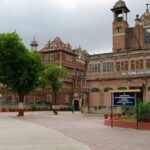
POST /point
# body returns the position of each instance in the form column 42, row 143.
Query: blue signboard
column 124, row 99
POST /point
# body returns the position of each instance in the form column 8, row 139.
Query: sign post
column 124, row 98
column 0, row 103
column 111, row 116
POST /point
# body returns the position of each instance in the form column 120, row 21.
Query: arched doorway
column 76, row 104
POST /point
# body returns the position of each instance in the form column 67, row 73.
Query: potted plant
column 106, row 116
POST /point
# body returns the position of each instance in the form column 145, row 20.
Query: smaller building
column 74, row 60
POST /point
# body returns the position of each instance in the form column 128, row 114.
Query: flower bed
column 123, row 124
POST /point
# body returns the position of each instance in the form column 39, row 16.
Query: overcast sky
column 87, row 23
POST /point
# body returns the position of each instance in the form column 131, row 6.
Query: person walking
column 73, row 108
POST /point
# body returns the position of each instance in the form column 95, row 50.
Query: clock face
column 147, row 36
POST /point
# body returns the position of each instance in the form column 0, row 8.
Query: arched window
column 122, row 88
column 95, row 90
column 148, row 88
column 107, row 89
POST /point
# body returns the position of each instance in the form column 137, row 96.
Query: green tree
column 55, row 74
column 19, row 68
column 43, row 83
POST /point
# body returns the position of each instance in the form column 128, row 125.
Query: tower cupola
column 120, row 25
column 120, row 11
column 34, row 45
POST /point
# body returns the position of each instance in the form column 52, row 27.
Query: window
column 90, row 68
column 117, row 66
column 108, row 67
column 68, row 58
column 83, row 83
column 122, row 66
column 48, row 57
column 67, row 99
column 148, row 88
column 45, row 58
column 99, row 67
column 122, row 88
column 94, row 90
column 137, row 64
column 94, row 67
column 132, row 65
column 141, row 64
column 79, row 73
column 126, row 65
column 104, row 67
column 147, row 36
column 49, row 98
column 148, row 63
column 118, row 29
column 107, row 89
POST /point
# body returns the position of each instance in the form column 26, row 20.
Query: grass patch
column 128, row 119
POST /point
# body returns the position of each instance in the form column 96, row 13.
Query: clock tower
column 119, row 26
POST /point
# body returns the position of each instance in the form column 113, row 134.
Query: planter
column 122, row 124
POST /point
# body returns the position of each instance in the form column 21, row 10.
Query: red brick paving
column 89, row 130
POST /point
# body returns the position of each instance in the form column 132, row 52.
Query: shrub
column 144, row 111
column 3, row 109
column 12, row 109
column 33, row 107
column 128, row 111
column 50, row 106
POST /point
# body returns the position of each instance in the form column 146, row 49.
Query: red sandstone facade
column 75, row 62
column 91, row 77
column 127, row 67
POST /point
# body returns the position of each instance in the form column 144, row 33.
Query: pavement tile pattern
column 89, row 130
column 16, row 134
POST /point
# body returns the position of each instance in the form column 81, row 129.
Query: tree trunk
column 55, row 98
column 54, row 107
column 21, row 105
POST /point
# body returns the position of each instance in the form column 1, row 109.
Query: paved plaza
column 16, row 134
column 68, row 131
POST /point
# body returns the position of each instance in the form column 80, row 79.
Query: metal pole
column 111, row 110
column 0, row 103
column 137, row 113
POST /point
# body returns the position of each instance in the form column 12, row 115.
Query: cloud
column 87, row 23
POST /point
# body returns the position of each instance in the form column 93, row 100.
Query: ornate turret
column 34, row 45
column 120, row 10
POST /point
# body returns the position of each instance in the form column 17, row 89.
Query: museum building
column 127, row 66
column 91, row 77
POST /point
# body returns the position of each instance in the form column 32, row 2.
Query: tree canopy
column 55, row 75
column 19, row 68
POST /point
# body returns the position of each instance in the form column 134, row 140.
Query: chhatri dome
column 119, row 4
